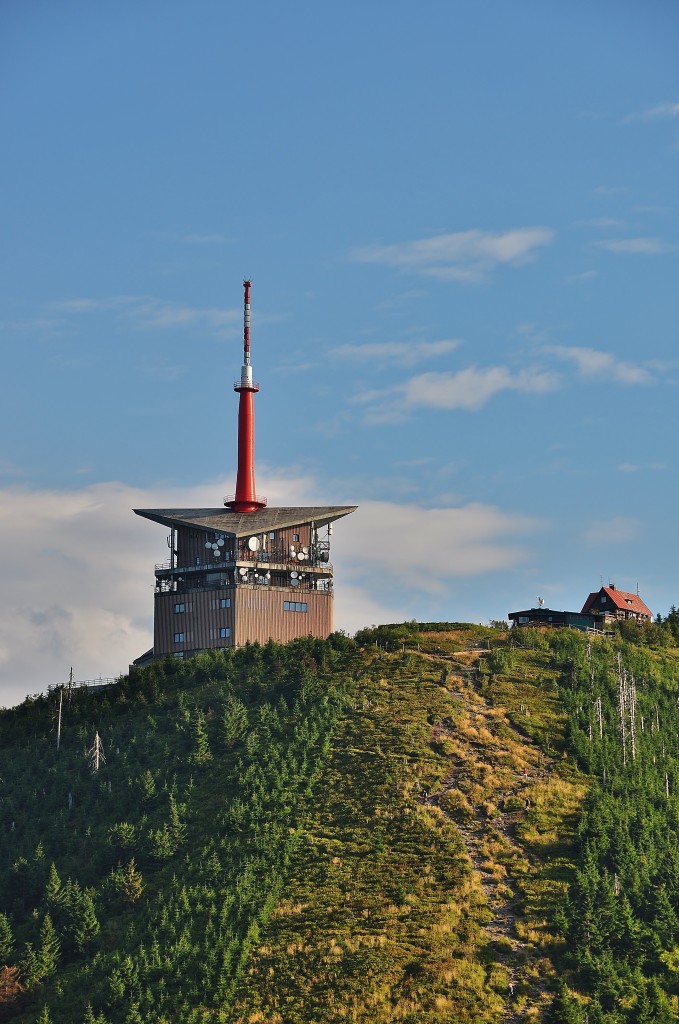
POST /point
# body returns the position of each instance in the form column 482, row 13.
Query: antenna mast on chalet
column 246, row 498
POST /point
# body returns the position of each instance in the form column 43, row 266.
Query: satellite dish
column 253, row 543
column 221, row 542
column 208, row 544
column 305, row 550
column 217, row 553
column 294, row 583
column 301, row 556
column 268, row 576
column 243, row 572
column 293, row 575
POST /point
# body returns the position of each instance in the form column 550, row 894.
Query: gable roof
column 620, row 598
column 244, row 524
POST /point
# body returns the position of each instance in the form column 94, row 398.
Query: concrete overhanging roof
column 244, row 524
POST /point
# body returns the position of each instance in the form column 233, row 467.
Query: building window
column 225, row 602
column 295, row 536
column 295, row 606
column 224, row 632
column 603, row 599
column 179, row 638
column 272, row 535
column 179, row 608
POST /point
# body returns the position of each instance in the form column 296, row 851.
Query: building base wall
column 281, row 614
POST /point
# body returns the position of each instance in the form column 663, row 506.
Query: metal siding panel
column 259, row 615
column 196, row 622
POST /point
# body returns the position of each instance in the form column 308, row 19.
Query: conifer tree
column 234, row 720
column 86, row 925
column 128, row 882
column 202, row 751
column 53, row 889
column 50, row 948
column 6, row 940
column 44, row 1017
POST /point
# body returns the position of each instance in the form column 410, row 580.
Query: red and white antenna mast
column 246, row 498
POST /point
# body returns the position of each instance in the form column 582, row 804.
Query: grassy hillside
column 426, row 824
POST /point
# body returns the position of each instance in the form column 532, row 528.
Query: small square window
column 224, row 632
column 179, row 638
column 180, row 608
column 272, row 535
column 225, row 602
column 295, row 536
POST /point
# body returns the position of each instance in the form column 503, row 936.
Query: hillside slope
column 426, row 825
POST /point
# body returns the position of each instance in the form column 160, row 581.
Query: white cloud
column 78, row 568
column 400, row 353
column 643, row 246
column 595, row 364
column 633, row 467
column 659, row 112
column 424, row 549
column 582, row 278
column 145, row 312
column 460, row 256
column 469, row 389
column 616, row 530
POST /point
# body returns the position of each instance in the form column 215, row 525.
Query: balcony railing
column 259, row 499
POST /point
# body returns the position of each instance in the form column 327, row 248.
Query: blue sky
column 460, row 220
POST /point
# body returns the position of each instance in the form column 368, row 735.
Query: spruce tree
column 6, row 940
column 86, row 926
column 50, row 948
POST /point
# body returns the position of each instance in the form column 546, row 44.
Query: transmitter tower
column 244, row 572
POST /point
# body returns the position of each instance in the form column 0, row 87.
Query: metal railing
column 79, row 683
column 259, row 498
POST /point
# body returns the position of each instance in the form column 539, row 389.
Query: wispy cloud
column 633, row 467
column 400, row 353
column 470, row 389
column 610, row 190
column 616, row 530
column 597, row 365
column 148, row 313
column 645, row 246
column 581, row 278
column 604, row 223
column 660, row 112
column 460, row 256
column 205, row 239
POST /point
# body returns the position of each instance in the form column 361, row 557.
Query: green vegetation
column 438, row 823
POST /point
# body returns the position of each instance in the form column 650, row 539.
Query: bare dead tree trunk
column 96, row 754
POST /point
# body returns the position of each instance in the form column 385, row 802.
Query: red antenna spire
column 246, row 498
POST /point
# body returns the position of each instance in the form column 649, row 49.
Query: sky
column 460, row 219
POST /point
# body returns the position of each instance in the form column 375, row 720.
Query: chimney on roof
column 611, row 586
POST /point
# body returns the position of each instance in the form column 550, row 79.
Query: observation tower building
column 243, row 572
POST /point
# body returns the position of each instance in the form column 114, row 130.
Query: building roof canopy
column 244, row 524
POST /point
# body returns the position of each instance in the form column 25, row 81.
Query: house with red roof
column 613, row 605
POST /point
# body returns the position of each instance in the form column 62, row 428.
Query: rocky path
column 495, row 852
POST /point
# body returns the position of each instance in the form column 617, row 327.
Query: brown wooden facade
column 236, row 578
